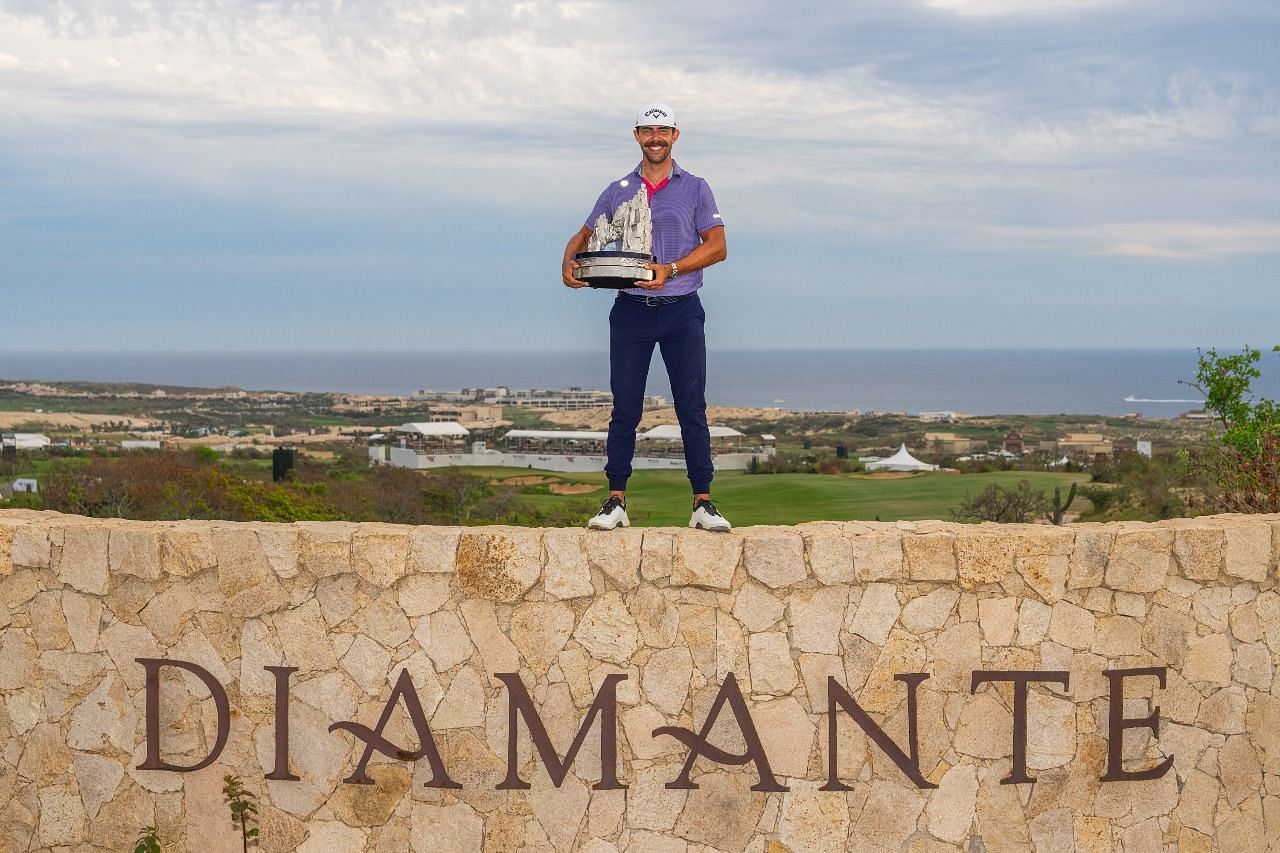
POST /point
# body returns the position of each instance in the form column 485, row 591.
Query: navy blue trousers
column 677, row 329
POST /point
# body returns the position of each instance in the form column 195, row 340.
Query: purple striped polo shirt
column 681, row 210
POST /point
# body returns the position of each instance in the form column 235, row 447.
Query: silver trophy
column 618, row 252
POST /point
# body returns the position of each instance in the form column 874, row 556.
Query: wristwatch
column 675, row 271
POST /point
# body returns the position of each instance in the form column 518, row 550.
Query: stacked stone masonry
column 782, row 609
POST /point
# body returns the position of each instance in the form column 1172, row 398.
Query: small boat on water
column 1132, row 399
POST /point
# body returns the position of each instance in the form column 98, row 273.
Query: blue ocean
column 1005, row 381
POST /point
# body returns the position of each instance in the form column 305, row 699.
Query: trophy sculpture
column 618, row 251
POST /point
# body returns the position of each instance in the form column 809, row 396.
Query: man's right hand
column 567, row 274
column 577, row 243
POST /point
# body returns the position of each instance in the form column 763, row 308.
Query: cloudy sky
column 398, row 174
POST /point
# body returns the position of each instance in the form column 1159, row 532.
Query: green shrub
column 148, row 841
column 1242, row 458
column 1014, row 505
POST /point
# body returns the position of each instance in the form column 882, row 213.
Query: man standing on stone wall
column 688, row 236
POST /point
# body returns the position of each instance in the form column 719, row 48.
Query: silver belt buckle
column 652, row 301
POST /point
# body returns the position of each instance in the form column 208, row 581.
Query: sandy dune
column 70, row 420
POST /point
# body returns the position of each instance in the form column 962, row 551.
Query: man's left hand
column 661, row 272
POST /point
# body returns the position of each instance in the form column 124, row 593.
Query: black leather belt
column 654, row 300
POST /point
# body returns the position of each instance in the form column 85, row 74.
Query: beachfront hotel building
column 1080, row 446
column 570, row 399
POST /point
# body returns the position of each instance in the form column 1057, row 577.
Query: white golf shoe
column 707, row 517
column 613, row 513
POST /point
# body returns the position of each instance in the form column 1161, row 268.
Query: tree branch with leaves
column 244, row 811
column 1242, row 457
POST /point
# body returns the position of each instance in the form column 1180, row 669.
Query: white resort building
column 439, row 445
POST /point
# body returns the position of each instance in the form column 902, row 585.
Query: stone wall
column 788, row 616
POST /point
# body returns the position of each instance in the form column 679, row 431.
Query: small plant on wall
column 243, row 810
column 148, row 841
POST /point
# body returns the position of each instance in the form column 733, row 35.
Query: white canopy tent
column 566, row 434
column 442, row 429
column 556, row 441
column 901, row 461
column 671, row 432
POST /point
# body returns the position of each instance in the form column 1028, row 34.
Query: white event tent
column 442, row 428
column 671, row 432
column 566, row 434
column 901, row 461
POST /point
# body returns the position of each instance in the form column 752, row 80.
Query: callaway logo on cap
column 656, row 115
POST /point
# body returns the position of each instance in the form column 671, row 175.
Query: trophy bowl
column 613, row 269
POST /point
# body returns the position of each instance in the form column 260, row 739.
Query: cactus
column 1060, row 508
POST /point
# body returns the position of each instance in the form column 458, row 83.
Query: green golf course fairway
column 663, row 499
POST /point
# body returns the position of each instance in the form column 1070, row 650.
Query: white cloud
column 476, row 93
column 991, row 8
column 542, row 63
column 9, row 61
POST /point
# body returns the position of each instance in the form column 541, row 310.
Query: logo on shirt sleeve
column 715, row 216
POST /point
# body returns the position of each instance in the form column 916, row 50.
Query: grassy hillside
column 662, row 498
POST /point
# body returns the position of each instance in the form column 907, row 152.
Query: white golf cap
column 656, row 115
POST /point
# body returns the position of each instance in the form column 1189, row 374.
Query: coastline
column 985, row 382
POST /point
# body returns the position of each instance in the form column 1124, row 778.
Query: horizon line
column 456, row 351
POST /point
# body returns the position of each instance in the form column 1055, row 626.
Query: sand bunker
column 573, row 488
column 523, row 481
column 554, row 484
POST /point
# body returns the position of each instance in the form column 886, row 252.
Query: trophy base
column 613, row 270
